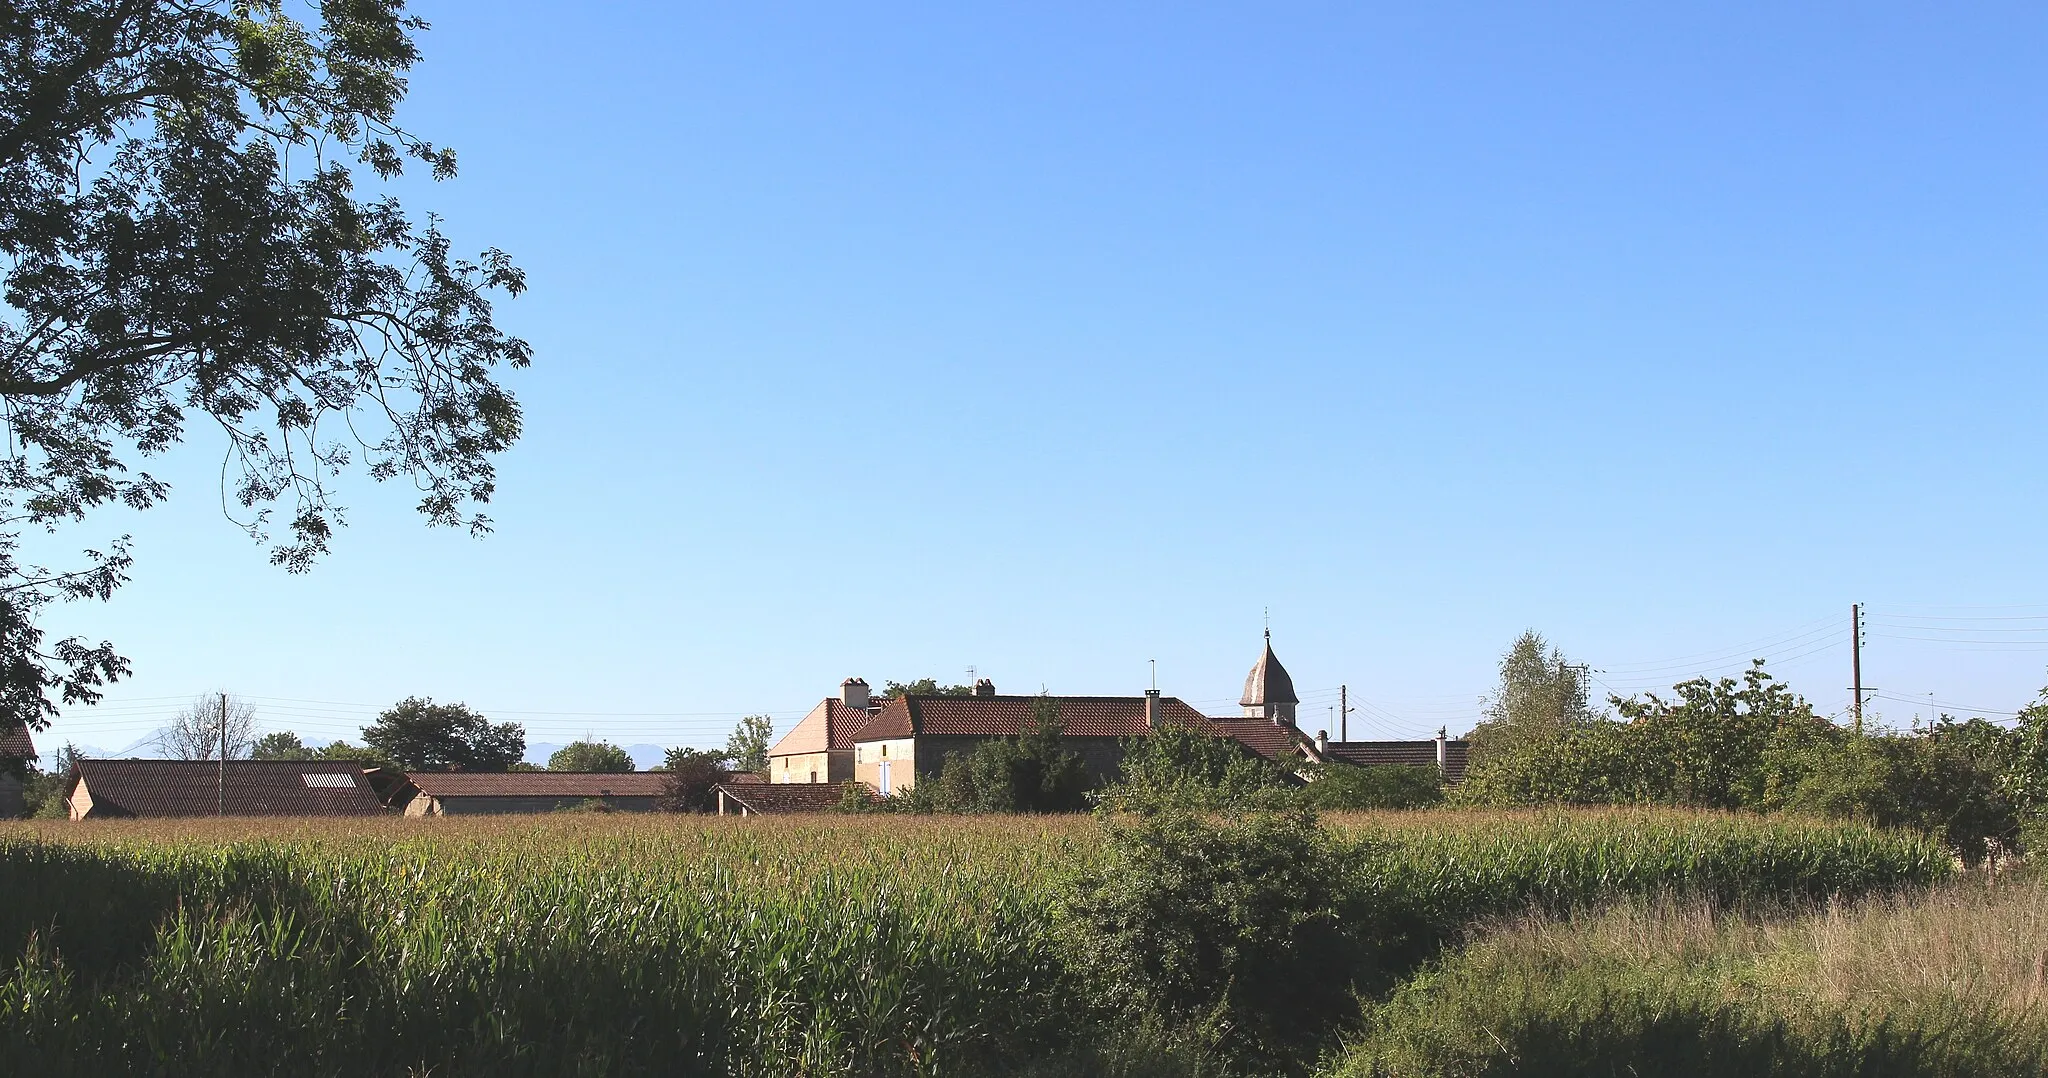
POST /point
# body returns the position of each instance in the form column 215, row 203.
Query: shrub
column 1235, row 929
column 1382, row 786
column 1179, row 768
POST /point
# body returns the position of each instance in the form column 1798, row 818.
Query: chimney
column 1442, row 756
column 853, row 692
column 1152, row 715
column 1322, row 742
column 984, row 687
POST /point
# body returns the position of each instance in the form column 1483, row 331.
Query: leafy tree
column 188, row 238
column 42, row 792
column 590, row 756
column 1179, row 767
column 368, row 757
column 421, row 735
column 1539, row 694
column 693, row 777
column 924, row 686
column 1707, row 745
column 1383, row 786
column 198, row 732
column 281, row 745
column 747, row 748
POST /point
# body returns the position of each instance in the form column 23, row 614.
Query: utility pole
column 1344, row 713
column 1856, row 663
column 223, row 772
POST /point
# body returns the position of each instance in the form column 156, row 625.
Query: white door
column 885, row 778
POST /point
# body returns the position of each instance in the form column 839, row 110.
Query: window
column 814, row 776
column 328, row 781
column 885, row 752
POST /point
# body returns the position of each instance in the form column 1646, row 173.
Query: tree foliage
column 1381, row 786
column 924, row 686
column 1539, row 694
column 420, row 735
column 186, row 243
column 1032, row 772
column 1179, row 767
column 692, row 780
column 747, row 748
column 590, row 756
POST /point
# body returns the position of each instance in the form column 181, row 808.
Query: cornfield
column 608, row 945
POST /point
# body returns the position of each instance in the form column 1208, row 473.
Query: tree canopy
column 747, row 748
column 187, row 241
column 420, row 735
column 590, row 756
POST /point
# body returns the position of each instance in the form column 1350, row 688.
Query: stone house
column 819, row 748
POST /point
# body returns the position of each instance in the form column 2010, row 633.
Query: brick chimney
column 1442, row 747
column 1323, row 743
column 984, row 687
column 1153, row 716
column 853, row 692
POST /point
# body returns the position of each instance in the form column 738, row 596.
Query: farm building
column 778, row 798
column 819, row 748
column 462, row 793
column 150, row 788
column 17, row 751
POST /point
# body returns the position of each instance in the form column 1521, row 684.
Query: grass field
column 623, row 945
column 1952, row 981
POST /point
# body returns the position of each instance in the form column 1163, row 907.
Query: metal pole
column 1344, row 713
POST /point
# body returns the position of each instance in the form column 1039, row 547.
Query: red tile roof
column 830, row 725
column 1005, row 716
column 778, row 798
column 251, row 787
column 1265, row 737
column 1412, row 753
column 538, row 783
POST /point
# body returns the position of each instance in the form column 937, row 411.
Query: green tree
column 1032, row 772
column 164, row 265
column 421, row 735
column 1179, row 767
column 1706, row 746
column 747, row 748
column 281, row 745
column 924, row 686
column 590, row 756
column 692, row 780
column 1539, row 694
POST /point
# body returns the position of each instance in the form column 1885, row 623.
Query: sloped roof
column 1412, row 753
column 538, row 783
column 1006, row 716
column 1265, row 737
column 15, row 745
column 778, row 798
column 249, row 788
column 830, row 725
column 1268, row 683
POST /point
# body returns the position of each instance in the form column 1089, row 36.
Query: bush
column 1177, row 768
column 1235, row 930
column 1382, row 786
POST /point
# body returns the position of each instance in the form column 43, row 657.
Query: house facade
column 820, row 748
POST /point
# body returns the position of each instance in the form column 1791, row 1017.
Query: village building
column 469, row 793
column 780, row 798
column 17, row 751
column 158, row 788
column 911, row 736
column 819, row 748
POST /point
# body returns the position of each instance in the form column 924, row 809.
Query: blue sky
column 1050, row 339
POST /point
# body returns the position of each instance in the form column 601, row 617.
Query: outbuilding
column 164, row 788
column 467, row 793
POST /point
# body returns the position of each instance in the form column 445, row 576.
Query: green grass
column 614, row 945
column 1950, row 981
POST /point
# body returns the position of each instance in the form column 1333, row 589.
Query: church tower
column 1268, row 691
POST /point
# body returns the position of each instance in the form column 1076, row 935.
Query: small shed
column 463, row 793
column 781, row 798
column 153, row 788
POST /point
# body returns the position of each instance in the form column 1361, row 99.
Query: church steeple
column 1268, row 691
